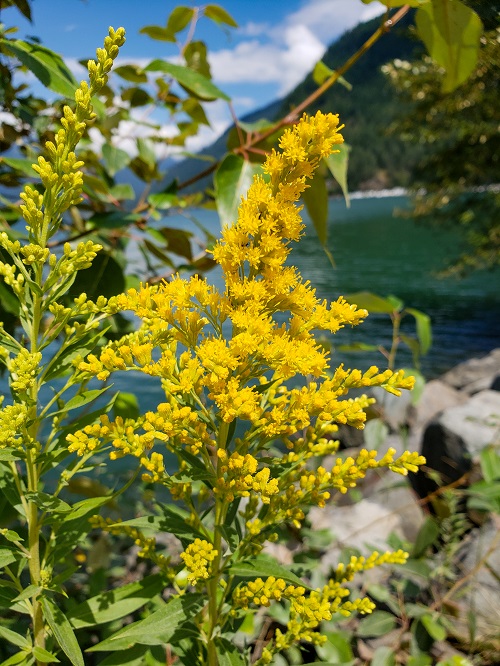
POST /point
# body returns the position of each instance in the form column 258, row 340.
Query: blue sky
column 276, row 44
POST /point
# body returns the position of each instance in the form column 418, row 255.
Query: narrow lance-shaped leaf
column 219, row 15
column 424, row 329
column 338, row 164
column 315, row 198
column 451, row 32
column 232, row 180
column 194, row 82
column 63, row 633
column 46, row 65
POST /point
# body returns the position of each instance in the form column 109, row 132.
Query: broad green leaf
column 47, row 66
column 162, row 201
column 383, row 656
column 48, row 502
column 23, row 6
column 126, row 405
column 63, row 632
column 370, row 302
column 177, row 241
column 315, row 198
column 336, row 649
column 6, row 557
column 147, row 152
column 20, row 658
column 8, row 455
column 116, row 603
column 115, row 158
column 196, row 58
column 490, row 464
column 10, row 303
column 131, row 73
column 122, row 191
column 376, row 624
column 158, row 628
column 219, row 15
column 229, row 654
column 134, row 656
column 10, row 535
column 424, row 328
column 81, row 399
column 322, row 72
column 44, row 656
column 157, row 32
column 20, row 164
column 85, row 507
column 172, row 521
column 194, row 82
column 263, row 567
column 114, row 220
column 427, row 535
column 451, row 32
column 179, row 19
column 14, row 638
column 433, row 628
column 232, row 180
column 338, row 164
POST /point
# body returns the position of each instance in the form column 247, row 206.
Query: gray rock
column 476, row 374
column 452, row 442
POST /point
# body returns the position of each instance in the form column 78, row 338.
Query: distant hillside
column 376, row 160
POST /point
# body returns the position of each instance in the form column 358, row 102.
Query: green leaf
column 338, row 164
column 131, row 73
column 375, row 434
column 263, row 567
column 158, row 628
column 80, row 400
column 451, row 32
column 10, row 535
column 63, row 633
column 157, row 32
column 219, row 15
column 47, row 66
column 6, row 557
column 8, row 455
column 322, row 72
column 122, row 191
column 147, row 152
column 383, row 656
column 48, row 502
column 115, row 159
column 114, row 220
column 126, row 405
column 490, row 463
column 315, row 198
column 194, row 82
column 424, row 329
column 179, row 19
column 116, row 603
column 177, row 241
column 229, row 654
column 173, row 521
column 370, row 302
column 427, row 536
column 433, row 628
column 14, row 638
column 44, row 656
column 232, row 180
column 132, row 657
column 20, row 164
column 376, row 624
column 19, row 658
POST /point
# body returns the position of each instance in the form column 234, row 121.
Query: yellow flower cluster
column 13, row 422
column 24, row 369
column 345, row 573
column 238, row 477
column 198, row 558
column 307, row 610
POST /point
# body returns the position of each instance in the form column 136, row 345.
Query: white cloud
column 285, row 53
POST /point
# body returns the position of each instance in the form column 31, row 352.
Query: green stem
column 396, row 323
column 213, row 583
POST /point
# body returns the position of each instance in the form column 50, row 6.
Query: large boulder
column 453, row 441
column 476, row 374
